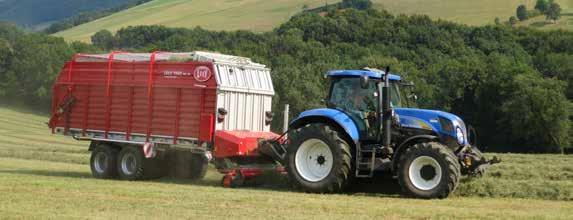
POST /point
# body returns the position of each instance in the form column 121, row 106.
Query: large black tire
column 132, row 165
column 340, row 174
column 103, row 161
column 187, row 165
column 433, row 181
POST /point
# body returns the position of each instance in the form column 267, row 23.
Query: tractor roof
column 358, row 73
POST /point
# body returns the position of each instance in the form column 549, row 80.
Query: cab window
column 360, row 104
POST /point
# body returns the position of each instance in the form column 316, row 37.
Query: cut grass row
column 40, row 189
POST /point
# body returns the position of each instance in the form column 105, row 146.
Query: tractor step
column 365, row 160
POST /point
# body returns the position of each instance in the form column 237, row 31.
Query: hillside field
column 264, row 15
column 47, row 176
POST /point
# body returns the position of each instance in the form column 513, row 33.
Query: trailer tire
column 132, row 164
column 103, row 161
column 318, row 159
column 428, row 170
column 198, row 167
column 187, row 165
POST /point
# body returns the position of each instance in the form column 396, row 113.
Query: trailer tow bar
column 274, row 148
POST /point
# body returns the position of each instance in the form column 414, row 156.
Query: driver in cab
column 361, row 105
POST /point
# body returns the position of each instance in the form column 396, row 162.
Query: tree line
column 512, row 84
column 549, row 8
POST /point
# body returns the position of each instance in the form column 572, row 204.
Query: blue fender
column 339, row 117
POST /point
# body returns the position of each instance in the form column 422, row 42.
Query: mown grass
column 254, row 15
column 46, row 176
column 264, row 15
column 467, row 11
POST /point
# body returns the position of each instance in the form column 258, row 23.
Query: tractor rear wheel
column 318, row 159
column 102, row 162
column 428, row 170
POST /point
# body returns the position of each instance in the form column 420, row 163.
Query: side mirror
column 364, row 82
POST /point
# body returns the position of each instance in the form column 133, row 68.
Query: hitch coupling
column 473, row 162
column 273, row 149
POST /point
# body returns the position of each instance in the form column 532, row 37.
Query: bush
column 357, row 4
column 537, row 114
column 541, row 5
column 103, row 39
column 553, row 12
column 521, row 13
column 512, row 20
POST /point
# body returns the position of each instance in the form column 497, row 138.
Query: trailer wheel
column 428, row 170
column 189, row 165
column 132, row 164
column 198, row 166
column 102, row 162
column 318, row 159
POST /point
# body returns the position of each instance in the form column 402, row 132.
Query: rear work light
column 221, row 114
column 269, row 117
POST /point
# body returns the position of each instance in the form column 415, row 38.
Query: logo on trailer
column 202, row 73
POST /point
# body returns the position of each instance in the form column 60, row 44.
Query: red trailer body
column 143, row 97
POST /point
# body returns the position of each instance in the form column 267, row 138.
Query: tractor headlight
column 460, row 135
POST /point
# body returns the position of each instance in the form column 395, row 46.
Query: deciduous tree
column 553, row 12
column 521, row 13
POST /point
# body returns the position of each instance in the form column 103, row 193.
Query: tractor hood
column 442, row 123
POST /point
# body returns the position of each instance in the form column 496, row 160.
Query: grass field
column 470, row 12
column 47, row 176
column 255, row 15
column 264, row 15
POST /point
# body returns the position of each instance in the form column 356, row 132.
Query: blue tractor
column 361, row 131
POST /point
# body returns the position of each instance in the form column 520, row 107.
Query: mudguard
column 321, row 114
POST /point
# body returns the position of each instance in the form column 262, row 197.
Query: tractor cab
column 355, row 92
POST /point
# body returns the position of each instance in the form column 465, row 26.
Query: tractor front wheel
column 318, row 159
column 428, row 170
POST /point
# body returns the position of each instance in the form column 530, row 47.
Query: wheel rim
column 425, row 173
column 128, row 163
column 313, row 160
column 100, row 162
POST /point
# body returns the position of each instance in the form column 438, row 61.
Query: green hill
column 256, row 15
column 34, row 13
column 263, row 15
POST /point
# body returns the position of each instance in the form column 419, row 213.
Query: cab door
column 360, row 104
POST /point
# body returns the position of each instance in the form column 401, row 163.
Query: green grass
column 256, row 15
column 264, row 15
column 47, row 176
column 465, row 11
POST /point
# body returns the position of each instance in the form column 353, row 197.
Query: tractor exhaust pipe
column 386, row 109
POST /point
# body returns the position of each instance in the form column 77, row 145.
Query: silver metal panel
column 246, row 111
column 245, row 90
